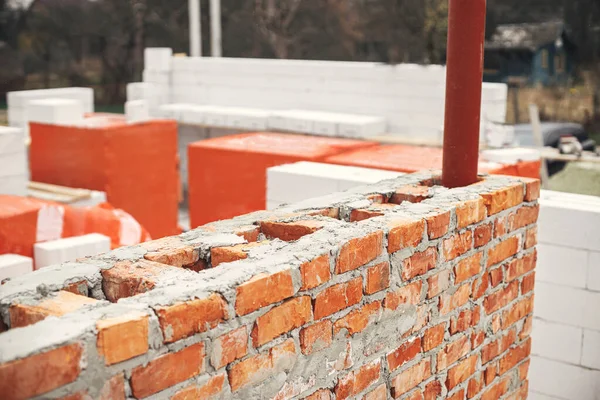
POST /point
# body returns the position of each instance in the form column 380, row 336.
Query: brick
column 371, row 212
column 490, row 373
column 379, row 393
column 438, row 224
column 501, row 298
column 433, row 390
column 220, row 255
column 229, row 347
column 477, row 339
column 419, row 263
column 470, row 212
column 410, row 193
column 459, row 395
column 248, row 232
column 403, row 354
column 257, row 368
column 337, row 297
column 182, row 365
column 523, row 370
column 378, row 278
column 482, row 235
column 465, row 320
column 122, row 338
column 405, row 233
column 453, row 352
column 357, row 320
column 290, row 231
column 358, row 252
column 79, row 287
column 528, row 283
column 493, row 349
column 316, row 337
column 438, row 283
column 262, row 290
column 415, row 395
column 532, row 188
column 474, row 387
column 496, row 276
column 410, row 378
column 503, row 250
column 517, row 311
column 520, row 266
column 212, row 389
column 281, row 319
column 171, row 251
column 184, row 319
column 128, row 279
column 461, row 372
column 408, row 294
column 422, row 319
column 457, row 245
column 525, row 216
column 358, row 380
column 495, row 323
column 315, row 272
column 515, row 356
column 113, row 389
column 467, row 268
column 344, row 360
column 527, row 326
column 521, row 393
column 40, row 373
column 322, row 394
column 449, row 302
column 480, row 286
column 530, row 237
column 497, row 390
column 503, row 199
column 433, row 337
column 57, row 304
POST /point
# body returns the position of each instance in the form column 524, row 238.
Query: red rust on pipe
column 464, row 73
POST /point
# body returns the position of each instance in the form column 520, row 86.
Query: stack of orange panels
column 406, row 158
column 227, row 175
column 135, row 164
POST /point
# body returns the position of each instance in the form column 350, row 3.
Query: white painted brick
column 556, row 341
column 591, row 349
column 55, row 111
column 12, row 265
column 562, row 380
column 561, row 265
column 61, row 250
column 593, row 279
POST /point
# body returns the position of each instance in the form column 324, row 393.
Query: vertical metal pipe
column 195, row 28
column 215, row 28
column 464, row 74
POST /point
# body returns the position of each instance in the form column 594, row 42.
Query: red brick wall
column 348, row 295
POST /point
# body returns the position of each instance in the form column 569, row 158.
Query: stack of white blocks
column 69, row 249
column 137, row 111
column 565, row 362
column 290, row 183
column 13, row 265
column 55, row 111
column 14, row 173
column 155, row 88
column 19, row 100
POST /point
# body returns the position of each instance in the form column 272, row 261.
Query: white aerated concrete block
column 545, row 336
column 12, row 265
column 137, row 111
column 563, row 381
column 14, row 164
column 14, row 185
column 511, row 155
column 552, row 262
column 55, row 111
column 157, row 59
column 593, row 280
column 61, row 250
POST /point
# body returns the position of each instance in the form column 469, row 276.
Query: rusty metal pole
column 464, row 74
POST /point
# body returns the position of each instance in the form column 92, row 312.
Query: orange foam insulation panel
column 135, row 164
column 227, row 175
column 408, row 159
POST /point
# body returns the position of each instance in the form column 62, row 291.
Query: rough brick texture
column 345, row 296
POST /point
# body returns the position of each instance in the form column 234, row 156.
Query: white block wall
column 14, row 173
column 13, row 265
column 69, row 249
column 55, row 111
column 565, row 361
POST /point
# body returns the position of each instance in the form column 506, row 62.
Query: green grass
column 114, row 108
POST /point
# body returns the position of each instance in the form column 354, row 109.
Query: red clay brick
column 410, row 378
column 496, row 276
column 184, row 319
column 437, row 283
column 182, row 365
column 493, row 349
column 127, row 279
column 453, row 352
column 525, row 216
column 531, row 237
column 417, row 394
column 171, row 251
column 526, row 331
column 490, row 373
column 520, row 266
column 422, row 319
column 322, row 394
column 410, row 193
column 256, row 369
column 122, row 338
column 248, row 232
column 405, row 233
column 503, row 199
column 371, row 212
column 480, row 286
column 528, row 283
column 502, row 225
column 315, row 272
column 482, row 235
column 470, row 212
column 497, row 390
column 517, row 312
column 465, row 320
column 521, row 393
column 461, row 372
column 409, row 294
column 281, row 319
column 474, row 387
column 357, row 320
column 433, row 390
column 438, row 224
column 477, row 339
column 60, row 303
column 378, row 278
column 220, row 255
column 229, row 347
column 113, row 389
column 316, row 337
column 459, row 395
column 449, row 302
column 358, row 252
column 403, row 354
column 358, row 380
column 379, row 393
column 433, row 337
column 457, row 245
column 503, row 250
column 290, row 231
column 338, row 297
column 532, row 188
column 211, row 389
column 500, row 298
column 523, row 370
column 467, row 268
column 262, row 290
column 515, row 356
column 419, row 263
column 40, row 373
column 79, row 287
